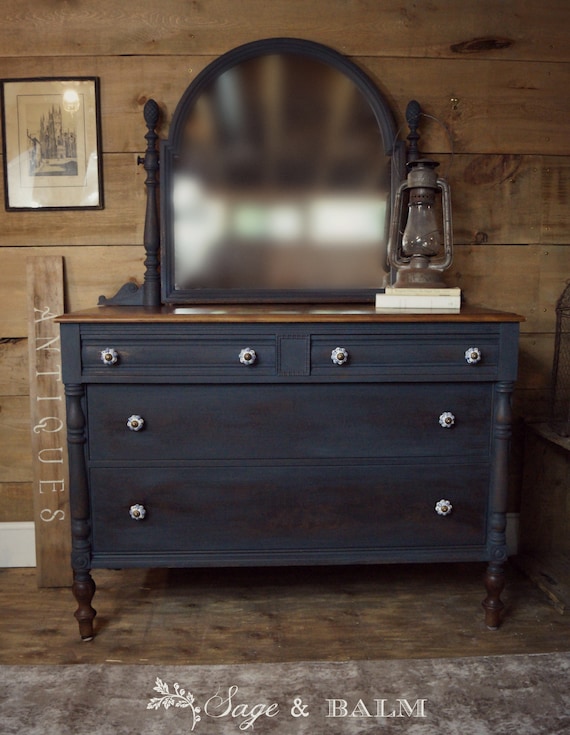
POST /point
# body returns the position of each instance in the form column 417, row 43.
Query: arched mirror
column 276, row 179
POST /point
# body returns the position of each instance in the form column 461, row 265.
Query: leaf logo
column 178, row 698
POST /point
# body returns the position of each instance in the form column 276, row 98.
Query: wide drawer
column 291, row 421
column 283, row 507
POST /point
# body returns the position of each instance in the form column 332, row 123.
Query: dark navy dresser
column 283, row 435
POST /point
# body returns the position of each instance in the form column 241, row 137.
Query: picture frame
column 52, row 143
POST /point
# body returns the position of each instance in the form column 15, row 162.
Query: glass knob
column 339, row 355
column 109, row 356
column 472, row 355
column 443, row 507
column 137, row 512
column 247, row 356
column 447, row 419
column 135, row 423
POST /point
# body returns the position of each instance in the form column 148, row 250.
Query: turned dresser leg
column 83, row 585
column 494, row 584
column 83, row 590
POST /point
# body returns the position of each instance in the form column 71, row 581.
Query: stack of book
column 419, row 300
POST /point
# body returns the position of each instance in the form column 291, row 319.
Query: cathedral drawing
column 53, row 152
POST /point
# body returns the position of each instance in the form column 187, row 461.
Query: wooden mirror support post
column 130, row 294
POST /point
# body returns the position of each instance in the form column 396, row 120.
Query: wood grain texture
column 89, row 272
column 491, row 107
column 13, row 367
column 16, row 502
column 545, row 516
column 536, row 353
column 524, row 279
column 16, row 454
column 436, row 29
column 120, row 222
column 496, row 200
column 545, row 513
column 241, row 616
column 532, row 404
column 288, row 314
column 47, row 426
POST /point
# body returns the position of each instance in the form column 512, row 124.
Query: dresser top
column 265, row 313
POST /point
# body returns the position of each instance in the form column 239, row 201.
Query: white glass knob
column 472, row 355
column 447, row 419
column 339, row 355
column 443, row 507
column 109, row 356
column 247, row 356
column 137, row 512
column 135, row 423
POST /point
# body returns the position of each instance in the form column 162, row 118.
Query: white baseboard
column 17, row 544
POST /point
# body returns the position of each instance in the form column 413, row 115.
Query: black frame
column 170, row 148
column 95, row 130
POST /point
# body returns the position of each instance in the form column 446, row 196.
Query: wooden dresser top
column 265, row 313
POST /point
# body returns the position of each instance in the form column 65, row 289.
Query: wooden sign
column 47, row 415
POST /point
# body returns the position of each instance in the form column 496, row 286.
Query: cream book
column 420, row 300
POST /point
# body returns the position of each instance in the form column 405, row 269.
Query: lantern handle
column 413, row 114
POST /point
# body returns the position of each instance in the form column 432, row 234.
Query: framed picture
column 52, row 143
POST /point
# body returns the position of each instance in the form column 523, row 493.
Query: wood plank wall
column 495, row 72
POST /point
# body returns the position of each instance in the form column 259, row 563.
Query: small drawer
column 460, row 358
column 118, row 356
column 290, row 421
column 279, row 508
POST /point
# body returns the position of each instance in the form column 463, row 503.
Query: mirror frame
column 170, row 148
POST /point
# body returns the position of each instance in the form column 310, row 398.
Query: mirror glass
column 281, row 182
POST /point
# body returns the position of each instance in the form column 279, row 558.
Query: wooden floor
column 275, row 615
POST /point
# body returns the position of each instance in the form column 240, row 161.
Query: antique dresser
column 266, row 420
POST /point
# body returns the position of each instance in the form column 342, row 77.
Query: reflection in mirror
column 282, row 181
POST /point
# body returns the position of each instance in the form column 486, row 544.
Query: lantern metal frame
column 420, row 269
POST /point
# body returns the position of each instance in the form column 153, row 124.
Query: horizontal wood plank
column 500, row 199
column 520, row 279
column 16, row 454
column 495, row 199
column 536, row 354
column 120, row 222
column 524, row 279
column 489, row 106
column 440, row 28
column 13, row 367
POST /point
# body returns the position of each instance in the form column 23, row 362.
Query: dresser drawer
column 290, row 421
column 334, row 508
column 117, row 356
column 474, row 357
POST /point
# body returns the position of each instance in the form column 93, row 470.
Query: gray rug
column 501, row 695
